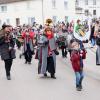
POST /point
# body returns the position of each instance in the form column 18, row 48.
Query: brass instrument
column 49, row 21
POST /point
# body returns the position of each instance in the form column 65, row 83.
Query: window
column 16, row 8
column 94, row 2
column 77, row 2
column 28, row 5
column 3, row 8
column 86, row 2
column 17, row 21
column 86, row 12
column 31, row 20
column 66, row 4
column 94, row 12
column 54, row 4
column 54, row 19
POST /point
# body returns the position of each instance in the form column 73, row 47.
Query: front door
column 17, row 21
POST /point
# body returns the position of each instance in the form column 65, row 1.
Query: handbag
column 56, row 52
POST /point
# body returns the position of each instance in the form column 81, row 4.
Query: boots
column 53, row 76
column 78, row 88
column 45, row 75
column 8, row 78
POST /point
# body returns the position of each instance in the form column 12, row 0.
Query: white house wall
column 59, row 11
column 27, row 9
column 20, row 10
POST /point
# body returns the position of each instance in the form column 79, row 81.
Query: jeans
column 93, row 41
column 81, row 45
column 79, row 78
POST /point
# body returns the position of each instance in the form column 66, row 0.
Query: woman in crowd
column 47, row 53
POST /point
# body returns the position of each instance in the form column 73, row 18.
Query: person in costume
column 28, row 46
column 46, row 53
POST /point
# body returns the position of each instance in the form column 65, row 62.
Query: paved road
column 26, row 84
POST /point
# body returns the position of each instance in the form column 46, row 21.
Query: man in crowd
column 7, row 50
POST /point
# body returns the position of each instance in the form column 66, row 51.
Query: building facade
column 88, row 8
column 19, row 12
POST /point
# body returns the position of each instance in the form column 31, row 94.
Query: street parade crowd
column 46, row 41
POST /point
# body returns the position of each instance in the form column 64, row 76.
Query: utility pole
column 43, row 12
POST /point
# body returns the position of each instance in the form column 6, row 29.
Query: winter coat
column 4, row 48
column 75, row 59
column 28, row 40
column 43, row 53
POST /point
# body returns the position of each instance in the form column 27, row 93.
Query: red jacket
column 75, row 59
column 31, row 35
column 49, row 36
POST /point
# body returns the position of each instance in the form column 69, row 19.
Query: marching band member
column 47, row 53
column 28, row 36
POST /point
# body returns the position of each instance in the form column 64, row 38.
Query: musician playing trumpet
column 7, row 50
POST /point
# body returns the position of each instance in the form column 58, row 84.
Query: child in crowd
column 77, row 56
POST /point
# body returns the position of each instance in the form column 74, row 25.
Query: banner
column 82, row 30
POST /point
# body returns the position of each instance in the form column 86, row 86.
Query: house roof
column 10, row 1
